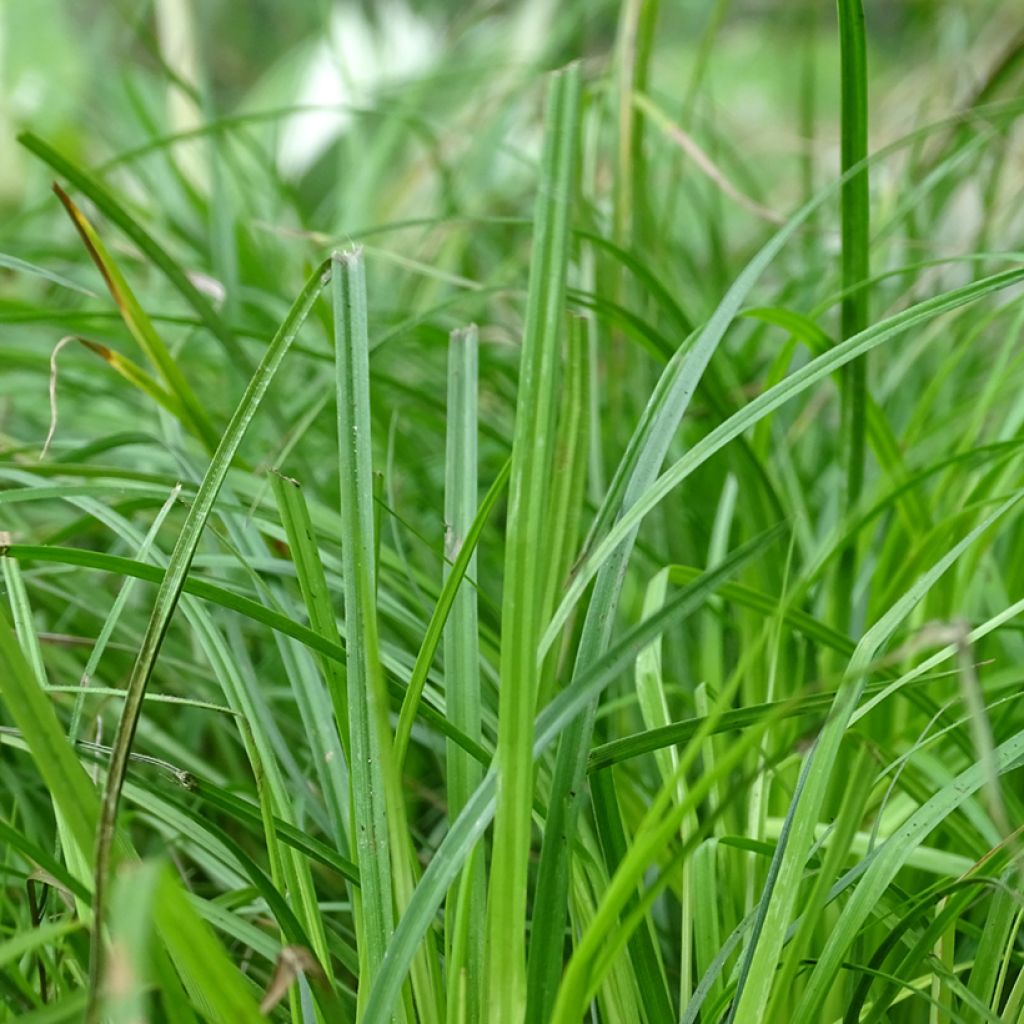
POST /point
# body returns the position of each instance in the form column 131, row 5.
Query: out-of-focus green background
column 94, row 76
column 250, row 137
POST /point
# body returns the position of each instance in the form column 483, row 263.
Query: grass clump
column 639, row 638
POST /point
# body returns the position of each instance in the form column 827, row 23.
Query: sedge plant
column 545, row 548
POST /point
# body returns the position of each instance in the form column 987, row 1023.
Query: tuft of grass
column 549, row 551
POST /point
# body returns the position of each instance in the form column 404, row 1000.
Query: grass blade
column 369, row 741
column 309, row 570
column 382, row 847
column 216, row 985
column 112, row 209
column 526, row 553
column 411, row 703
column 467, row 829
column 246, row 606
column 167, row 600
column 139, row 324
column 32, row 710
column 465, row 911
column 855, row 212
column 887, row 861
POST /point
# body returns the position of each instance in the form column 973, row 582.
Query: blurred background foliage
column 94, row 75
column 250, row 137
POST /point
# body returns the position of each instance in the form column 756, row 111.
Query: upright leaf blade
column 526, row 561
column 32, row 711
column 465, row 913
column 369, row 740
column 167, row 600
column 855, row 213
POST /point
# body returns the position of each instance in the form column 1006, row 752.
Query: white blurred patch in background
column 176, row 36
column 348, row 69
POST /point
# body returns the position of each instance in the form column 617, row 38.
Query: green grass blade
column 139, row 324
column 879, row 433
column 369, row 739
column 995, row 941
column 309, row 570
column 246, row 606
column 137, row 377
column 658, row 828
column 855, row 212
column 704, row 918
column 21, row 614
column 112, row 209
column 644, row 959
column 24, row 267
column 526, row 553
column 387, row 869
column 465, row 912
column 653, row 703
column 117, row 609
column 412, row 705
column 635, row 475
column 36, row 855
column 467, row 829
column 132, row 944
column 888, row 860
column 215, row 985
column 569, row 480
column 18, row 945
column 169, row 593
column 32, row 710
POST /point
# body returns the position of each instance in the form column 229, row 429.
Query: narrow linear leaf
column 167, row 600
column 526, row 556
